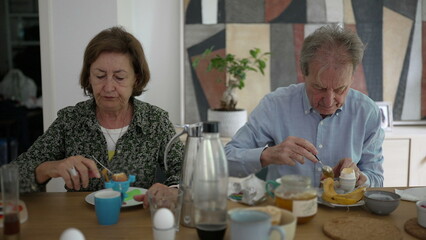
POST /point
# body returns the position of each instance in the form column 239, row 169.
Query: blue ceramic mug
column 252, row 225
column 107, row 206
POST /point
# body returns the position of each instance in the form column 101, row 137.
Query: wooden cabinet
column 396, row 162
column 404, row 151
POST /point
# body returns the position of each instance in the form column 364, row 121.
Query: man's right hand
column 289, row 152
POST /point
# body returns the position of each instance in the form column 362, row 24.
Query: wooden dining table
column 49, row 214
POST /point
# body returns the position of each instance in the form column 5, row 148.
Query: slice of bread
column 274, row 212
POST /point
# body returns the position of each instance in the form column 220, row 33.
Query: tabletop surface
column 49, row 214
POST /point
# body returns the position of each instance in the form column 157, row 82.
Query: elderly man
column 322, row 116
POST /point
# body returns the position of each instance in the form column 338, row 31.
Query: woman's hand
column 157, row 189
column 75, row 171
column 348, row 163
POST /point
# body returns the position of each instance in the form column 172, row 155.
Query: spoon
column 101, row 164
column 326, row 170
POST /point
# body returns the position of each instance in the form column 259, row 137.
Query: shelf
column 23, row 15
column 25, row 43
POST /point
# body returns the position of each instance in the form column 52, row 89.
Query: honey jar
column 297, row 195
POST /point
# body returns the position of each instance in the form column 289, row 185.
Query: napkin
column 412, row 194
column 249, row 190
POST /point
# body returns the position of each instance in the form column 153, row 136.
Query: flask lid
column 211, row 127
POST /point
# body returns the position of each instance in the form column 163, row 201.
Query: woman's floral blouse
column 138, row 152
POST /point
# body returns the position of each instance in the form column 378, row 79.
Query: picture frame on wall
column 386, row 112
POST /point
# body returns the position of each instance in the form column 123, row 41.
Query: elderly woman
column 123, row 133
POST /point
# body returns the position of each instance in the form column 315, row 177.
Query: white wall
column 158, row 25
column 67, row 26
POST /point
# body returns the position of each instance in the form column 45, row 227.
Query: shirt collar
column 89, row 107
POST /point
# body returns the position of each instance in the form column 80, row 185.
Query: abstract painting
column 392, row 31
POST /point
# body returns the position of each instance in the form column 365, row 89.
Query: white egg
column 72, row 234
column 163, row 219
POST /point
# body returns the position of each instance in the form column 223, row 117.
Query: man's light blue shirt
column 353, row 131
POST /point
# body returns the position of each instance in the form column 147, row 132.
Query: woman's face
column 112, row 78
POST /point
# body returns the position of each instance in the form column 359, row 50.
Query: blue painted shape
column 221, row 13
column 406, row 8
column 369, row 24
column 294, row 13
column 193, row 12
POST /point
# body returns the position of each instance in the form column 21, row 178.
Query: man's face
column 327, row 85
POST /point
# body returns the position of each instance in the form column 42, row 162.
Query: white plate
column 90, row 198
column 323, row 202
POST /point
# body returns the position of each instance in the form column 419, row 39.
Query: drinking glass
column 10, row 196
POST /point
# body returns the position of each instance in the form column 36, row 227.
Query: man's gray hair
column 333, row 41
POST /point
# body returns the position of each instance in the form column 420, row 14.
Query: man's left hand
column 348, row 163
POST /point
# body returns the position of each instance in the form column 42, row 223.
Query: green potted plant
column 236, row 69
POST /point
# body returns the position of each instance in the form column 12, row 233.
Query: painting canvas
column 392, row 31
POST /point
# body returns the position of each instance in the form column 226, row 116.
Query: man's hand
column 289, row 152
column 348, row 163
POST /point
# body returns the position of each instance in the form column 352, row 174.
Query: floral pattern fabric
column 139, row 151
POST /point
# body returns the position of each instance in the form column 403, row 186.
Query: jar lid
column 296, row 180
column 211, row 127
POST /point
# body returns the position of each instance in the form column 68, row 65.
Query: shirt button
column 322, row 123
column 306, row 111
column 118, row 151
column 337, row 114
column 320, row 146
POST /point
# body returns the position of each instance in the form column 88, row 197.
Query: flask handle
column 176, row 136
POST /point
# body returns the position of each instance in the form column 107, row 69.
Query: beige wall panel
column 240, row 38
column 348, row 12
column 334, row 10
column 396, row 34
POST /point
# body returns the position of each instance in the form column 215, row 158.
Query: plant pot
column 230, row 121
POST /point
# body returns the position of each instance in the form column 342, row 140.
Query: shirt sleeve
column 244, row 150
column 46, row 148
column 372, row 158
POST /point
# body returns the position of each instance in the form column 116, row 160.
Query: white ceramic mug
column 252, row 225
column 288, row 223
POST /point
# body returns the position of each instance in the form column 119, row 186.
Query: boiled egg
column 163, row 219
column 72, row 234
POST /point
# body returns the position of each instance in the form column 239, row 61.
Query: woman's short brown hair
column 116, row 39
